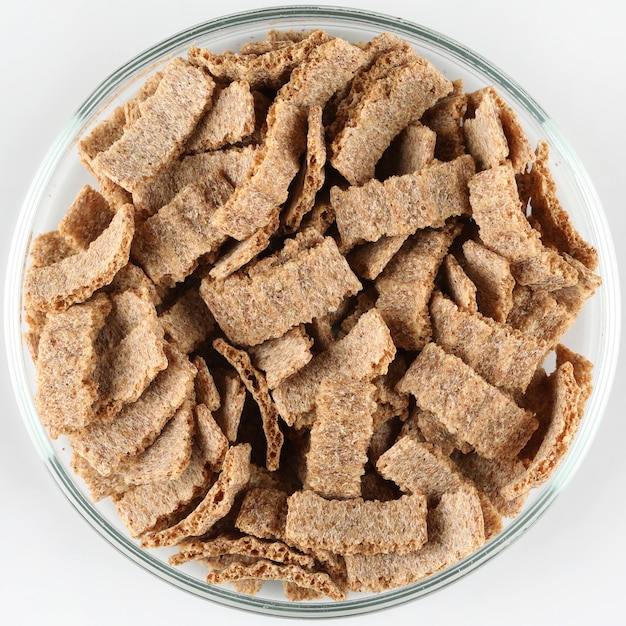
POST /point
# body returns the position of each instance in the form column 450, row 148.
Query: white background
column 568, row 568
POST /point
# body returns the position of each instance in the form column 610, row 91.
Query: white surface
column 567, row 569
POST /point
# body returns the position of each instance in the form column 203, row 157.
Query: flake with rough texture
column 445, row 118
column 232, row 394
column 169, row 244
column 459, row 286
column 405, row 286
column 187, row 322
column 75, row 278
column 389, row 105
column 255, row 383
column 363, row 354
column 230, row 118
column 256, row 201
column 107, row 445
column 370, row 259
column 307, row 278
column 491, row 273
column 402, row 204
column 261, row 71
column 86, row 219
column 158, row 136
column 455, row 529
column 356, row 526
column 212, row 441
column 281, row 357
column 263, row 513
column 67, row 360
column 503, row 356
column 469, row 407
column 206, row 390
column 340, row 438
column 232, row 478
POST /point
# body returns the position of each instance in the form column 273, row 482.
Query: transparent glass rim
column 608, row 334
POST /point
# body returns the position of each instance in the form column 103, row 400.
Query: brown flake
column 230, row 118
column 206, row 390
column 405, row 286
column 261, row 71
column 445, row 119
column 340, row 438
column 263, row 512
column 356, row 526
column 75, row 278
column 402, row 204
column 388, row 105
column 469, row 407
column 503, row 356
column 232, row 394
column 158, row 136
column 455, row 530
column 107, row 445
column 211, row 440
column 307, row 278
column 169, row 244
column 459, row 286
column 66, row 359
column 232, row 478
column 363, row 354
column 369, row 259
column 281, row 357
column 255, row 383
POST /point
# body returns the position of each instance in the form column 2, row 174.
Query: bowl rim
column 17, row 355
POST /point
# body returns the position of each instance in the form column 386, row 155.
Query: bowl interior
column 61, row 175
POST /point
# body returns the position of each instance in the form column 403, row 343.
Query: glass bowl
column 61, row 175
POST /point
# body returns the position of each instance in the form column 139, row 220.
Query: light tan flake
column 490, row 475
column 158, row 136
column 548, row 270
column 242, row 252
column 131, row 352
column 402, row 204
column 107, row 445
column 86, row 219
column 295, row 593
column 262, row 71
column 405, row 286
column 573, row 297
column 420, row 468
column 563, row 424
column 459, row 286
column 187, row 322
column 426, row 426
column 154, row 506
column 247, row 545
column 263, row 513
column 356, row 526
column 445, row 119
column 497, row 210
column 311, row 176
column 369, row 259
column 413, row 149
column 362, row 355
column 503, row 356
column 230, row 119
column 102, row 137
column 255, row 383
column 469, row 407
column 491, row 273
column 206, row 390
column 75, row 278
column 340, row 438
column 169, row 455
column 556, row 225
column 387, row 107
column 132, row 278
column 232, row 478
column 232, row 163
column 281, row 357
column 455, row 530
column 327, row 69
column 67, row 360
column 268, row 570
column 99, row 486
column 307, row 278
column 583, row 372
column 484, row 135
column 49, row 248
column 211, row 440
column 169, row 244
column 256, row 201
column 232, row 394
